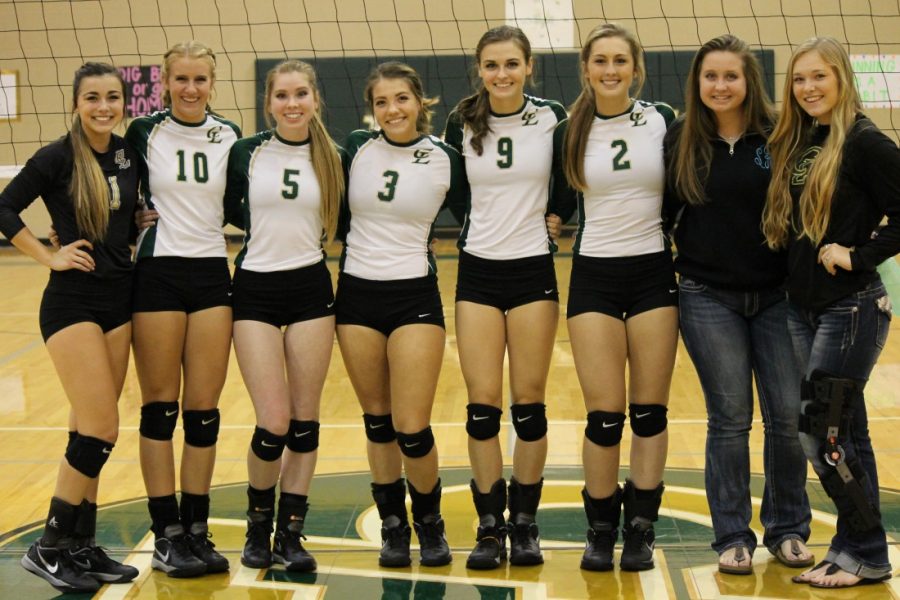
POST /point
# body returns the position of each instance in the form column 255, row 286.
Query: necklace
column 731, row 141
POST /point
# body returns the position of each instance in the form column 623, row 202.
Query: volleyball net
column 43, row 42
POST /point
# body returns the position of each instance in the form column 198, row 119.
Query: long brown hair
column 581, row 113
column 786, row 144
column 692, row 150
column 88, row 187
column 476, row 109
column 398, row 70
column 188, row 49
column 326, row 160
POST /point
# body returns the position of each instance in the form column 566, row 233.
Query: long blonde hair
column 326, row 160
column 787, row 142
column 692, row 150
column 581, row 113
column 188, row 49
column 88, row 188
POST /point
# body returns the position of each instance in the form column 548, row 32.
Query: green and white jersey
column 184, row 181
column 394, row 193
column 620, row 211
column 274, row 196
column 510, row 181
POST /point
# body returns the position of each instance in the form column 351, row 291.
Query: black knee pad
column 158, row 420
column 87, row 455
column 530, row 421
column 416, row 445
column 201, row 427
column 266, row 445
column 605, row 428
column 483, row 421
column 647, row 420
column 303, row 436
column 379, row 428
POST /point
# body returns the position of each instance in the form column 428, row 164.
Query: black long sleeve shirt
column 48, row 174
column 867, row 190
column 720, row 242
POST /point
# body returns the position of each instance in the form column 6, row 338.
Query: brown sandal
column 791, row 559
column 741, row 556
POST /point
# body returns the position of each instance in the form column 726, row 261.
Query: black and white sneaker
column 94, row 561
column 203, row 548
column 56, row 567
column 173, row 556
column 637, row 550
column 433, row 548
column 257, row 552
column 395, row 539
column 524, row 544
column 289, row 550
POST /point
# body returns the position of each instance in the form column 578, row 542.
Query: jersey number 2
column 201, row 167
column 619, row 162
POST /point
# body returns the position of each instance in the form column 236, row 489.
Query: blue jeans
column 734, row 338
column 845, row 340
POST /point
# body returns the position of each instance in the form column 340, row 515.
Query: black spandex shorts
column 74, row 297
column 280, row 298
column 181, row 284
column 506, row 284
column 387, row 305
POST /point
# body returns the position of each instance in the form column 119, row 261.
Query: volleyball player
column 182, row 306
column 390, row 322
column 622, row 297
column 284, row 188
column 88, row 181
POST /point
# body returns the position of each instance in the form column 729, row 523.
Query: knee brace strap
column 87, row 455
column 416, row 445
column 266, row 445
column 846, row 484
column 158, row 420
column 826, row 406
column 201, row 427
column 529, row 421
column 483, row 421
column 605, row 428
column 303, row 436
column 647, row 420
column 379, row 428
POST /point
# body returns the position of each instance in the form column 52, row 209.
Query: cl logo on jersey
column 214, row 134
column 637, row 119
column 762, row 160
column 120, row 159
column 529, row 118
column 422, row 157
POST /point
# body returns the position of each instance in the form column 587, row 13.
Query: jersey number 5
column 201, row 167
column 291, row 188
column 390, row 186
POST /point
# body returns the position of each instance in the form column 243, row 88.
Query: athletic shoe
column 433, row 548
column 257, row 552
column 289, row 550
column 637, row 551
column 490, row 549
column 524, row 545
column 56, row 567
column 172, row 555
column 198, row 540
column 94, row 561
column 598, row 552
column 395, row 538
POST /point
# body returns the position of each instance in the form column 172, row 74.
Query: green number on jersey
column 292, row 188
column 390, row 186
column 504, row 149
column 619, row 162
column 201, row 167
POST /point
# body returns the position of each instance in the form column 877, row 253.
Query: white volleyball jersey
column 274, row 194
column 394, row 193
column 510, row 181
column 620, row 211
column 184, row 181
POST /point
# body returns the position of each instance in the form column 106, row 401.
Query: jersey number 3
column 390, row 186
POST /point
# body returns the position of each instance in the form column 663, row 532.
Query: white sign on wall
column 547, row 23
column 9, row 95
column 877, row 79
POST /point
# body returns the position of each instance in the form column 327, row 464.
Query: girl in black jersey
column 732, row 305
column 834, row 180
column 88, row 181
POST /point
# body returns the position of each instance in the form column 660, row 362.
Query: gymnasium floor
column 342, row 525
